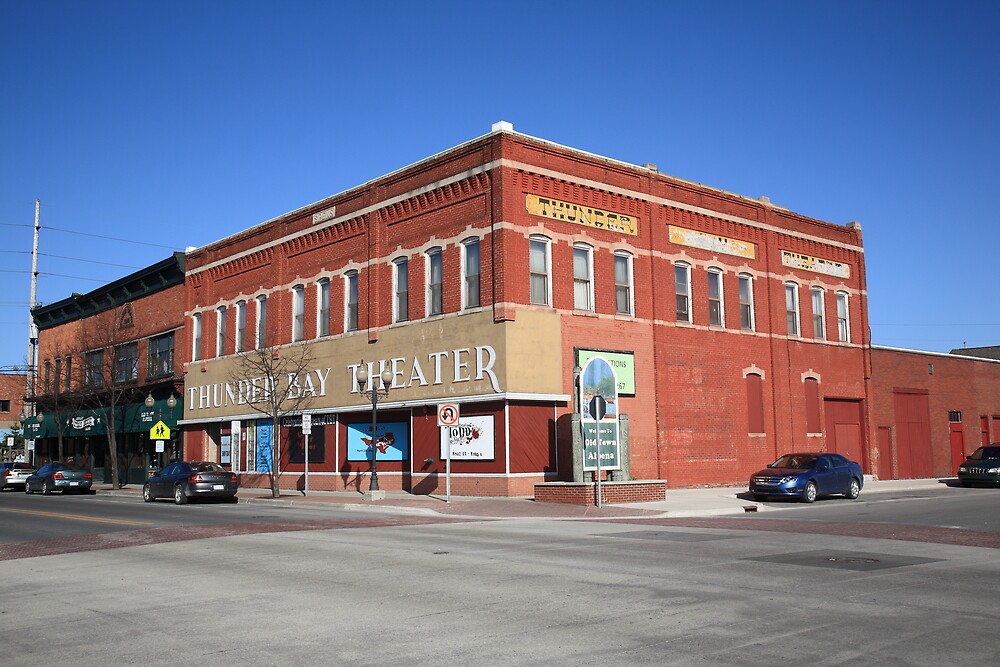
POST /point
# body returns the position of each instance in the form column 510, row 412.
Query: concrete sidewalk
column 714, row 501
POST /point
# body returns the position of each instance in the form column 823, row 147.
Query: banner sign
column 392, row 442
column 622, row 362
column 553, row 209
column 264, row 434
column 472, row 439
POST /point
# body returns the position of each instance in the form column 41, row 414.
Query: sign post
column 598, row 408
column 447, row 417
column 306, row 431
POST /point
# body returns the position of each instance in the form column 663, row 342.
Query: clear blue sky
column 179, row 123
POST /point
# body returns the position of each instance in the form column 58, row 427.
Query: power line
column 109, row 238
column 89, row 261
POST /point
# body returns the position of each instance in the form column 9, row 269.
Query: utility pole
column 32, row 329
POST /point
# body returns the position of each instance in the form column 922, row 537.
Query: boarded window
column 755, row 403
column 812, row 405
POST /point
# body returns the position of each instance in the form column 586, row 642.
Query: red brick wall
column 970, row 386
column 12, row 389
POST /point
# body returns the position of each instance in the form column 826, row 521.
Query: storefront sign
column 471, row 439
column 600, row 447
column 815, row 264
column 392, row 442
column 623, row 364
column 720, row 244
column 553, row 209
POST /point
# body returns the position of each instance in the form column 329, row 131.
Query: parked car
column 983, row 466
column 807, row 476
column 191, row 479
column 66, row 477
column 13, row 473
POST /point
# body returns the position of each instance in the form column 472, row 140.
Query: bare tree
column 275, row 382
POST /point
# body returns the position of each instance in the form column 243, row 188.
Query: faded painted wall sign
column 553, row 209
column 720, row 244
column 815, row 264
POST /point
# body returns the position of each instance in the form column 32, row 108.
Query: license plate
column 218, row 487
column 74, row 483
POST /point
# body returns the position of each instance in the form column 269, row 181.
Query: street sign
column 598, row 407
column 447, row 414
column 160, row 431
column 307, row 424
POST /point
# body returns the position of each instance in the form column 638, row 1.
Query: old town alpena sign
column 597, row 380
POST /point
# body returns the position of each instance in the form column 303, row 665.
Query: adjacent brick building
column 485, row 274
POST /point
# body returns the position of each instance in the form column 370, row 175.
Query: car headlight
column 993, row 471
column 789, row 478
column 962, row 469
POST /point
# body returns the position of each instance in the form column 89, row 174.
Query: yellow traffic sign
column 160, row 431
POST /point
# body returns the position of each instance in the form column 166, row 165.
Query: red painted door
column 957, row 446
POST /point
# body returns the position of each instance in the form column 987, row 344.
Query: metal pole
column 598, row 462
column 374, row 480
column 32, row 329
column 447, row 473
column 306, row 490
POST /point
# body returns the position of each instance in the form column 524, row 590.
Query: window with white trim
column 322, row 307
column 716, row 306
column 351, row 301
column 435, row 277
column 819, row 313
column 583, row 282
column 792, row 308
column 682, row 290
column 220, row 331
column 240, row 341
column 623, row 283
column 195, row 337
column 470, row 274
column 261, row 330
column 401, row 290
column 843, row 318
column 539, row 260
column 747, row 322
column 298, row 313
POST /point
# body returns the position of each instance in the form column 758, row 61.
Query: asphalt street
column 245, row 584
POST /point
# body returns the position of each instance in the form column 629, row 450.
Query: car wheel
column 147, row 494
column 27, row 489
column 759, row 497
column 809, row 493
column 232, row 499
column 46, row 489
column 854, row 489
column 179, row 496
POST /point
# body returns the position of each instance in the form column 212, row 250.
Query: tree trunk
column 275, row 449
column 113, row 451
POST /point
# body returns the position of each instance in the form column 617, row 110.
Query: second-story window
column 47, row 384
column 401, row 290
column 220, row 339
column 538, row 261
column 470, row 274
column 323, row 308
column 126, row 363
column 298, row 313
column 682, row 290
column 819, row 313
column 161, row 356
column 746, row 302
column 843, row 318
column 351, row 301
column 623, row 283
column 792, row 308
column 68, row 366
column 195, row 337
column 261, row 329
column 583, row 282
column 241, row 326
column 93, row 369
column 716, row 307
column 435, row 305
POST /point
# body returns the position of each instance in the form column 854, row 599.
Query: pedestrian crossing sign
column 160, row 431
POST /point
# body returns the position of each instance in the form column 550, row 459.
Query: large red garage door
column 912, row 450
column 843, row 429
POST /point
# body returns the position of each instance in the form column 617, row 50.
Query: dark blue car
column 807, row 476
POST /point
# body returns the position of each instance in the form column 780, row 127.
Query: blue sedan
column 808, row 476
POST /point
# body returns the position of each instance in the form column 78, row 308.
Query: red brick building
column 930, row 411
column 483, row 276
column 101, row 357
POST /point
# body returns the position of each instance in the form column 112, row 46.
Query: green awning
column 130, row 418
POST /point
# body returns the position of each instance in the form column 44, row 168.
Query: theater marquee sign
column 469, row 356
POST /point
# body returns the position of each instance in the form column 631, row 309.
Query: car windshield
column 796, row 461
column 992, row 452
